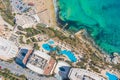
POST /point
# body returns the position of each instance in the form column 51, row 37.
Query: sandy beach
column 45, row 10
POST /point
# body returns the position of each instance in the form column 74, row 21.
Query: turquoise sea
column 101, row 18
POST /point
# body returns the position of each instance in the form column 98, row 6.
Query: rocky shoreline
column 105, row 56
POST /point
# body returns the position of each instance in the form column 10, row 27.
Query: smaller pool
column 51, row 42
column 47, row 47
column 69, row 54
column 111, row 76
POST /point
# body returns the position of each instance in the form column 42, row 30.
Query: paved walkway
column 16, row 69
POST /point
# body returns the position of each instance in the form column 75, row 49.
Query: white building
column 41, row 63
column 81, row 74
column 8, row 49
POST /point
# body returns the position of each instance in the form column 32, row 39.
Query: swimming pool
column 47, row 47
column 69, row 54
column 111, row 76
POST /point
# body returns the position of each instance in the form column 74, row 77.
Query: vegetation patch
column 7, row 13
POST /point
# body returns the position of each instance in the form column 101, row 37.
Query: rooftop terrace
column 41, row 63
column 37, row 61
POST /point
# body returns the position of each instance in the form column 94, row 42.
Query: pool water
column 111, row 76
column 47, row 47
column 69, row 54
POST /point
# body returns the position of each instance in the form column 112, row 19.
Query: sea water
column 101, row 18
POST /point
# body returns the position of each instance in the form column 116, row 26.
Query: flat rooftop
column 41, row 63
column 49, row 68
column 81, row 74
column 7, row 48
column 38, row 61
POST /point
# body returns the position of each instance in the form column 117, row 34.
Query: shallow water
column 101, row 18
